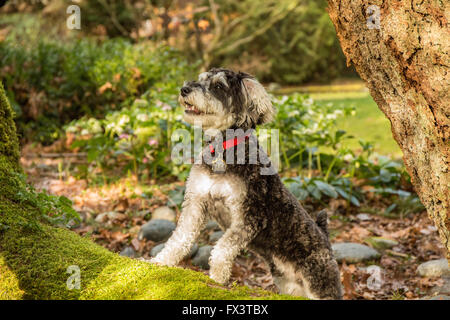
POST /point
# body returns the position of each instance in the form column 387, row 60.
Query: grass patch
column 369, row 123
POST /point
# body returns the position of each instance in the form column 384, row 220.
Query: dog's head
column 223, row 99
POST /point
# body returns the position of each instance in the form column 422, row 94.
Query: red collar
column 230, row 143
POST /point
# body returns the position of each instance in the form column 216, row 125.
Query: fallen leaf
column 119, row 236
column 203, row 24
column 347, row 281
column 136, row 244
column 105, row 87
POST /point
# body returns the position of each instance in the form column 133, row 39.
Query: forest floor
column 126, row 199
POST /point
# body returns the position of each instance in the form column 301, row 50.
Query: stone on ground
column 158, row 248
column 201, row 259
column 128, row 252
column 215, row 236
column 156, row 230
column 381, row 243
column 164, row 213
column 363, row 217
column 212, row 225
column 434, row 268
column 354, row 252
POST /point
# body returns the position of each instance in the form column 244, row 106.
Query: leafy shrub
column 55, row 82
column 311, row 144
column 305, row 126
column 136, row 138
column 39, row 206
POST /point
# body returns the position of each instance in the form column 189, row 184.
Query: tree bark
column 405, row 64
column 40, row 261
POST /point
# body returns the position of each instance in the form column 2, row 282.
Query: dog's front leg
column 190, row 224
column 225, row 251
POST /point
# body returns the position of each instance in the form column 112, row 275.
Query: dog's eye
column 218, row 86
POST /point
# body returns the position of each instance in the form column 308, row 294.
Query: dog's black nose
column 185, row 91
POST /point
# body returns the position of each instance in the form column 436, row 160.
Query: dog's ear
column 322, row 221
column 258, row 100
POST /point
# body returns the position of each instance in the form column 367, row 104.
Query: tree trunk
column 405, row 63
column 39, row 261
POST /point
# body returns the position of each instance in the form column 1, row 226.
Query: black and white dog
column 255, row 209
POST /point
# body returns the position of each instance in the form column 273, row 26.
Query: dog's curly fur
column 255, row 210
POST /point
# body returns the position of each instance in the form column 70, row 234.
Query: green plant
column 404, row 204
column 306, row 130
column 318, row 189
column 50, row 83
column 312, row 146
column 56, row 210
column 137, row 138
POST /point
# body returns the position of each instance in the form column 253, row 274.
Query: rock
column 212, row 225
column 434, row 268
column 164, row 213
column 157, row 230
column 215, row 236
column 128, row 252
column 381, row 243
column 444, row 289
column 194, row 250
column 158, row 248
column 111, row 215
column 428, row 230
column 102, row 217
column 363, row 217
column 202, row 257
column 354, row 252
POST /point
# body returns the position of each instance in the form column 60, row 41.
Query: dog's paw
column 161, row 262
column 156, row 261
column 219, row 277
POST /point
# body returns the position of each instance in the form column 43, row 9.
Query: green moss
column 36, row 265
column 9, row 288
column 9, row 147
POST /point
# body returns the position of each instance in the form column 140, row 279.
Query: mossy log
column 35, row 257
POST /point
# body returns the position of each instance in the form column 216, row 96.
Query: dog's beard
column 209, row 113
column 210, row 121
